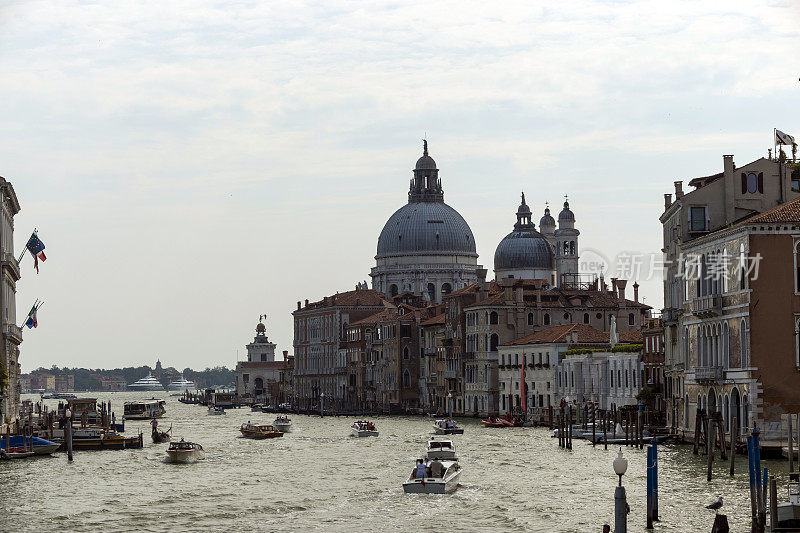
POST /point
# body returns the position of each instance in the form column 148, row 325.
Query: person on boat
column 420, row 471
column 437, row 468
column 154, row 424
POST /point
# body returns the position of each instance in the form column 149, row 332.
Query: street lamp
column 621, row 508
column 450, row 403
column 322, row 405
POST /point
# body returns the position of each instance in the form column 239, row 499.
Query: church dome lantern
column 524, row 253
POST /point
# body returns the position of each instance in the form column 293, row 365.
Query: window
column 530, row 319
column 493, row 318
column 495, row 340
column 796, row 268
column 446, row 288
column 431, row 292
column 585, row 318
column 631, row 319
column 752, row 182
column 698, row 220
column 599, row 316
column 406, row 353
column 745, row 349
column 547, row 319
column 566, row 317
column 406, row 379
column 393, row 290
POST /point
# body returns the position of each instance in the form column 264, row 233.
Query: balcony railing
column 450, row 374
column 13, row 331
column 707, row 306
column 708, row 373
column 670, row 315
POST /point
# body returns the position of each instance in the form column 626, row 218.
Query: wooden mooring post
column 791, row 448
column 734, row 441
column 710, row 446
column 605, row 429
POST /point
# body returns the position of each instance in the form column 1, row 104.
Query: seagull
column 716, row 505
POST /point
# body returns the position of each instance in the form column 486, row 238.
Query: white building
column 261, row 375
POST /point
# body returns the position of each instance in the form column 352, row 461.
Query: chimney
column 298, row 305
column 613, row 285
column 602, row 284
column 667, row 201
column 482, row 289
column 728, row 181
column 285, row 354
column 306, row 302
column 678, row 190
column 621, row 286
column 636, row 292
column 519, row 295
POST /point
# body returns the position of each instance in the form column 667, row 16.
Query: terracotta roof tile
column 586, row 335
column 436, row 320
column 786, row 212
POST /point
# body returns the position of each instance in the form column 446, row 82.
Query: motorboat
column 184, row 452
column 256, row 407
column 283, row 424
column 213, row 410
column 58, row 396
column 788, row 515
column 430, row 484
column 97, row 438
column 149, row 382
column 19, row 443
column 447, row 426
column 363, row 428
column 259, row 431
column 145, row 409
column 496, row 423
column 440, row 449
column 18, row 454
column 181, row 384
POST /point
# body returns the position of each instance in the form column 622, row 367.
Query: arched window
column 493, row 342
column 406, row 379
column 432, row 292
column 686, row 412
column 406, row 353
column 796, row 268
column 745, row 413
column 547, row 319
column 446, row 288
column 744, row 344
column 742, row 268
column 393, row 290
column 530, row 319
column 585, row 318
column 493, row 318
column 631, row 319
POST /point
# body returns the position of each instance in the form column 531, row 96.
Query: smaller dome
column 425, row 162
column 566, row 214
column 261, row 328
column 523, row 207
column 547, row 220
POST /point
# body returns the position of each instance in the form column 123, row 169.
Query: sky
column 192, row 165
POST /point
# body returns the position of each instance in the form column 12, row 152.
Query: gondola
column 161, row 436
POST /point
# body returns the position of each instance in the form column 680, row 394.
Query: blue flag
column 36, row 247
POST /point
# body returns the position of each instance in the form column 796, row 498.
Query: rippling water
column 319, row 477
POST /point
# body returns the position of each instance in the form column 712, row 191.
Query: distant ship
column 147, row 383
column 181, row 384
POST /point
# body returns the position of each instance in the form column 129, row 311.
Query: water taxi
column 97, row 438
column 283, row 424
column 86, row 409
column 184, row 452
column 145, row 409
column 440, row 449
column 256, row 431
column 788, row 513
column 149, row 382
column 363, row 428
column 212, row 410
column 440, row 477
column 447, row 426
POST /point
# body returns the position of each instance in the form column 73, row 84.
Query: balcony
column 450, row 374
column 671, row 315
column 10, row 262
column 340, row 370
column 707, row 306
column 14, row 332
column 708, row 374
column 430, row 351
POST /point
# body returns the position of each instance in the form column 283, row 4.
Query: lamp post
column 450, row 403
column 620, row 504
column 68, row 414
column 321, row 404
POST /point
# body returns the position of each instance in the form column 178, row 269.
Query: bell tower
column 566, row 244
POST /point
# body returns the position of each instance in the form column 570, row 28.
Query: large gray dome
column 426, row 228
column 523, row 249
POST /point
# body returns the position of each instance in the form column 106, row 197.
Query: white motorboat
column 447, row 426
column 788, row 513
column 149, row 382
column 363, row 428
column 145, row 409
column 181, row 384
column 215, row 410
column 430, row 484
column 440, row 449
column 283, row 424
column 184, row 452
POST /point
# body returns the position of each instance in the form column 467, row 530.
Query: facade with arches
column 732, row 335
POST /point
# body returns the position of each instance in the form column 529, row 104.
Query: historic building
column 653, row 361
column 319, row 331
column 551, row 255
column 731, row 299
column 12, row 334
column 426, row 247
column 261, row 376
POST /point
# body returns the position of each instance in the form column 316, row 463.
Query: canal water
column 317, row 477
